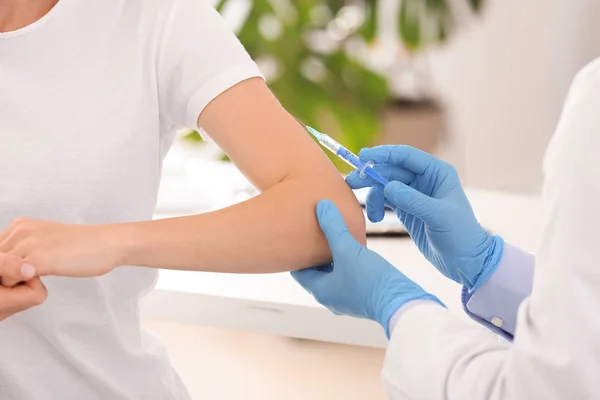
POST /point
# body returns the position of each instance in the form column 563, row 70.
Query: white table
column 275, row 304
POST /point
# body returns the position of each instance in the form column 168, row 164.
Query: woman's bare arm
column 275, row 231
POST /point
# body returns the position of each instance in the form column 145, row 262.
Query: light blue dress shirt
column 496, row 302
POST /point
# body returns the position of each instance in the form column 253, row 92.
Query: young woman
column 91, row 94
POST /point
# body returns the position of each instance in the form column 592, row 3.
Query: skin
column 275, row 231
column 15, row 298
column 16, row 14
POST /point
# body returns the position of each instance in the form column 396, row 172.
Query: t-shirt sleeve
column 199, row 58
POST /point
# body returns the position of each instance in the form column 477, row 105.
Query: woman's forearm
column 275, row 231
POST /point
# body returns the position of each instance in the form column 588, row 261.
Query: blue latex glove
column 428, row 198
column 360, row 282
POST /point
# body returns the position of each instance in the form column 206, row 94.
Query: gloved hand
column 427, row 196
column 360, row 282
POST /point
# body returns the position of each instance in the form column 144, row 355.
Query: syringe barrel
column 350, row 158
column 341, row 152
column 329, row 143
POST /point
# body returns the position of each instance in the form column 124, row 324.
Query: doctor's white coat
column 434, row 355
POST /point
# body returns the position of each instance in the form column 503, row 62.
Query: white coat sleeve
column 434, row 355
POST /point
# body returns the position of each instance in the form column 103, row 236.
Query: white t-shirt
column 90, row 98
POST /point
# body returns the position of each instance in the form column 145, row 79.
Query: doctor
column 553, row 315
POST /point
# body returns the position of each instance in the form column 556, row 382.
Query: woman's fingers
column 21, row 297
column 9, row 263
column 14, row 270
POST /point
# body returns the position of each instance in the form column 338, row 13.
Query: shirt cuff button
column 497, row 321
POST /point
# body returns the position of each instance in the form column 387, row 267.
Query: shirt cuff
column 402, row 310
column 496, row 302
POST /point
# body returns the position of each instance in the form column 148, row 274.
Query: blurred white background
column 505, row 78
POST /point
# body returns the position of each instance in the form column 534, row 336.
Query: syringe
column 364, row 169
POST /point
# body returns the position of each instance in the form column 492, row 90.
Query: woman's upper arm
column 264, row 141
column 207, row 79
column 269, row 146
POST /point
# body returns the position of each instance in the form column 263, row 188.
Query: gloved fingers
column 389, row 172
column 308, row 278
column 333, row 226
column 413, row 202
column 325, row 268
column 412, row 159
column 356, row 182
column 375, row 204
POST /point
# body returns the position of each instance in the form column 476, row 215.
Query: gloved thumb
column 308, row 278
column 410, row 200
column 332, row 224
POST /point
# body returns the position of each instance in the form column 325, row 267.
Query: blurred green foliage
column 426, row 22
column 308, row 49
column 325, row 89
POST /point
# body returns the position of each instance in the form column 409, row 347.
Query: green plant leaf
column 334, row 5
column 476, row 5
column 437, row 5
column 368, row 29
column 442, row 31
column 220, row 5
column 193, row 136
column 224, row 157
column 409, row 25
